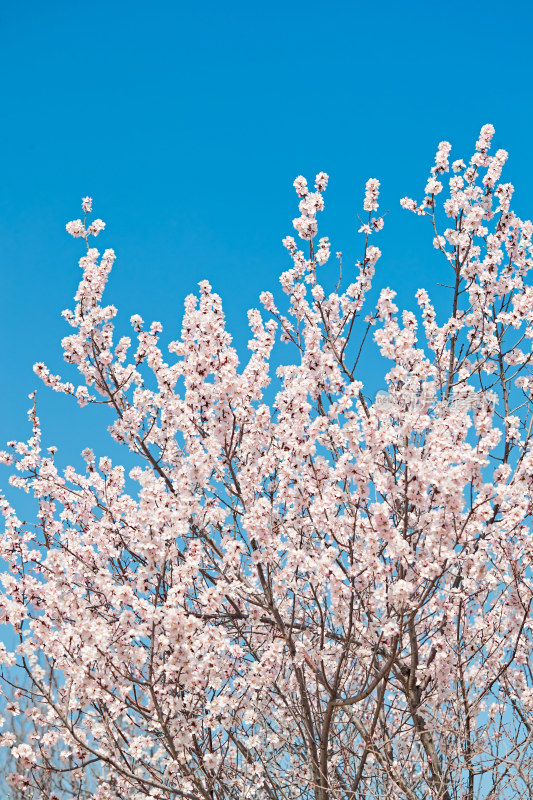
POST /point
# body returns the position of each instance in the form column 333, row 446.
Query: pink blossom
column 300, row 184
column 321, row 182
column 485, row 137
column 371, row 195
column 76, row 228
column 96, row 227
column 441, row 159
column 408, row 204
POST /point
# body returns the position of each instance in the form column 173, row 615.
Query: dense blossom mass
column 315, row 597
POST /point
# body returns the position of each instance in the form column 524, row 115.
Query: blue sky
column 187, row 123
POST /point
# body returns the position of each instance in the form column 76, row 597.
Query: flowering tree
column 321, row 597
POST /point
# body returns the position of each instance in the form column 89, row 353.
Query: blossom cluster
column 295, row 589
